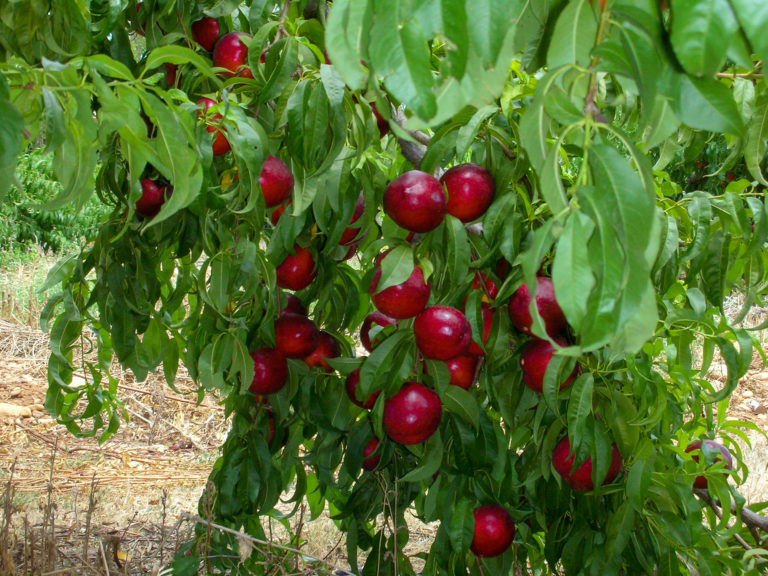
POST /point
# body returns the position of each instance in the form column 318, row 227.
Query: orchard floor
column 124, row 507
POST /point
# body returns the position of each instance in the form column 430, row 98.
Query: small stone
column 16, row 392
column 748, row 393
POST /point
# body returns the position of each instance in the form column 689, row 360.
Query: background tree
column 250, row 150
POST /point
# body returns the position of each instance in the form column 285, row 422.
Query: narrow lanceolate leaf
column 11, row 129
column 400, row 55
column 704, row 104
column 574, row 35
column 571, row 273
column 347, row 26
column 756, row 135
column 457, row 248
column 535, row 123
column 455, row 23
column 753, row 17
column 580, row 404
column 702, row 31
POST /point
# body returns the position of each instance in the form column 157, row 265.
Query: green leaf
column 462, row 525
column 430, row 461
column 754, row 151
column 571, row 272
column 180, row 55
column 461, row 402
column 619, row 529
column 468, row 132
column 396, row 267
column 753, row 17
column 574, row 35
column 580, row 404
column 702, row 31
column 11, row 129
column 457, row 255
column 348, row 25
column 488, row 23
column 703, row 103
column 399, row 55
column 639, row 477
column 109, row 67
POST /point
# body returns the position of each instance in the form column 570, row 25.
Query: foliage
column 569, row 105
column 25, row 224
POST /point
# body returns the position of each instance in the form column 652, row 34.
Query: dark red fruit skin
column 375, row 317
column 370, row 462
column 327, row 347
column 270, row 371
column 231, row 53
column 171, row 73
column 276, row 181
column 534, row 360
column 413, row 414
column 470, row 191
column 152, row 198
column 295, row 336
column 206, row 32
column 442, row 332
column 292, row 305
column 297, row 271
column 350, row 385
column 474, row 347
column 462, row 369
column 404, row 300
column 278, row 212
column 284, row 440
column 580, row 479
column 711, row 445
column 220, row 144
column 381, row 123
column 549, row 309
column 494, row 531
column 415, row 201
column 349, row 234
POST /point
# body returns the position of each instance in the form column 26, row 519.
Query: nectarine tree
column 516, row 166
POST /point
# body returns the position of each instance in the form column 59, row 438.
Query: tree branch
column 414, row 152
column 750, row 519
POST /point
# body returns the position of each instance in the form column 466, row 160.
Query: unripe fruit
column 721, row 454
column 462, row 369
column 206, row 32
column 442, row 332
column 327, row 347
column 377, row 318
column 231, row 53
column 415, row 201
column 350, row 385
column 295, row 336
column 549, row 309
column 349, row 234
column 534, row 359
column 402, row 300
column 580, row 479
column 220, row 144
column 297, row 271
column 152, row 198
column 370, row 462
column 494, row 531
column 470, row 191
column 413, row 414
column 270, row 371
column 276, row 181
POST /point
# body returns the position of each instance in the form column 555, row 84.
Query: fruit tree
column 531, row 213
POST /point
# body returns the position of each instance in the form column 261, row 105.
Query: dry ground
column 121, row 508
